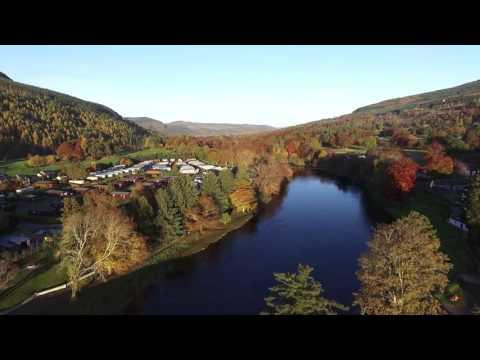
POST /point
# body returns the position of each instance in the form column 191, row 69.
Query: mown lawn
column 53, row 275
column 453, row 240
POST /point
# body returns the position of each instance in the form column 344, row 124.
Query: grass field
column 21, row 167
column 25, row 285
column 453, row 240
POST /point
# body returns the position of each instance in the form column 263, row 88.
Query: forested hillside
column 463, row 94
column 35, row 120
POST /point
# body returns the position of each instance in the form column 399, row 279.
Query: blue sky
column 274, row 85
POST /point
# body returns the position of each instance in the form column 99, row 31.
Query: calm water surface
column 315, row 221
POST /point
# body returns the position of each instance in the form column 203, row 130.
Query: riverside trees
column 403, row 270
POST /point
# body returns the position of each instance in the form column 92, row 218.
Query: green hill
column 463, row 94
column 36, row 120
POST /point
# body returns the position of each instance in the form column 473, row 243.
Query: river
column 316, row 221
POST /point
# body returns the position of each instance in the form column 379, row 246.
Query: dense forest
column 36, row 121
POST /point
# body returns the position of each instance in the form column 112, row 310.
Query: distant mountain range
column 198, row 129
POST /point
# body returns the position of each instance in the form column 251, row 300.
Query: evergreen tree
column 226, row 181
column 210, row 185
column 299, row 294
column 144, row 214
column 472, row 208
column 169, row 217
column 183, row 192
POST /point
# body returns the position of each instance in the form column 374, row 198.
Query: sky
column 272, row 85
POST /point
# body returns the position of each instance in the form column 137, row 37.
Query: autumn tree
column 126, row 161
column 403, row 270
column 299, row 294
column 269, row 176
column 51, row 159
column 402, row 175
column 98, row 240
column 70, row 150
column 437, row 160
column 461, row 168
column 203, row 216
column 243, row 196
column 37, row 160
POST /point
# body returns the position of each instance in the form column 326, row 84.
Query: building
column 187, row 169
column 196, row 163
column 56, row 192
column 77, row 182
column 121, row 195
column 81, row 190
column 456, row 219
column 25, row 190
column 47, row 175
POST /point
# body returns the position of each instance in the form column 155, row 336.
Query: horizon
column 277, row 86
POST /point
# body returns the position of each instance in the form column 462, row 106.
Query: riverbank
column 53, row 276
column 315, row 221
column 454, row 242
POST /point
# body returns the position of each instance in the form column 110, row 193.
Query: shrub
column 36, row 161
column 226, row 219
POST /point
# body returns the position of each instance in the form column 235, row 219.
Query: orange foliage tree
column 205, row 215
column 437, row 160
column 70, row 150
column 402, row 175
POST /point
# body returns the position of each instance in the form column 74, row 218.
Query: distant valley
column 198, row 129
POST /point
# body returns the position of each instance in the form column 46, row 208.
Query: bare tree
column 99, row 241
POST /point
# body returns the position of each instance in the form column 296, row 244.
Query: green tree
column 226, row 219
column 210, row 185
column 472, row 208
column 226, row 181
column 183, row 192
column 299, row 294
column 144, row 214
column 169, row 218
column 403, row 270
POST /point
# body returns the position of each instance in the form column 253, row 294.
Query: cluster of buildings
column 41, row 194
column 115, row 180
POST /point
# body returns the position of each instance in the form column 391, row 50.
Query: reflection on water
column 315, row 220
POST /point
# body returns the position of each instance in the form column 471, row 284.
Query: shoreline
column 185, row 247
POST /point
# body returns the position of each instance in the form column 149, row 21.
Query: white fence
column 44, row 292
